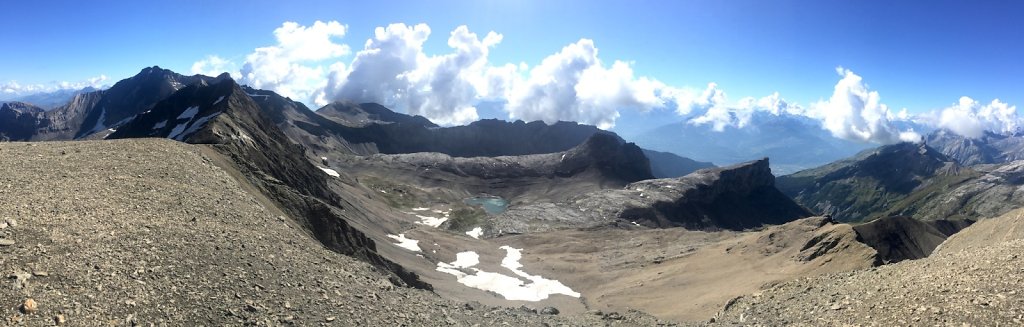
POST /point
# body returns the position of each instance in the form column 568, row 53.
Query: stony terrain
column 958, row 285
column 141, row 232
column 737, row 197
column 684, row 275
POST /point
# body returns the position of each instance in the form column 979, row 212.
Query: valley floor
column 151, row 231
column 155, row 231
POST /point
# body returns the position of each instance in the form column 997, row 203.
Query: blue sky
column 922, row 57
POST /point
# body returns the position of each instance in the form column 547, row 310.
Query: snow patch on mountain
column 406, row 243
column 511, row 288
column 331, row 172
column 189, row 113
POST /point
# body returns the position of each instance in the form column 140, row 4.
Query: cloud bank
column 573, row 84
column 971, row 118
column 13, row 89
column 312, row 65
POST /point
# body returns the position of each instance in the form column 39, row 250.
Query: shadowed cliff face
column 18, row 120
column 736, row 197
column 904, row 238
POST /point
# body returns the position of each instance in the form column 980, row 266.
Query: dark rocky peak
column 357, row 115
column 18, row 120
column 901, row 159
column 737, row 197
column 609, row 154
column 709, row 184
column 282, row 110
column 184, row 113
column 134, row 95
column 740, row 178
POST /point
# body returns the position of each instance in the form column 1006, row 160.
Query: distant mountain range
column 946, row 177
column 358, row 129
column 871, row 184
column 792, row 142
column 50, row 100
column 990, row 148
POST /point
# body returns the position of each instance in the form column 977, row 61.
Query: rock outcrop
column 18, row 120
column 904, row 238
column 737, row 197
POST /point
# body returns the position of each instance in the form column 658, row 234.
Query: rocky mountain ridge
column 990, row 148
column 737, row 197
column 867, row 186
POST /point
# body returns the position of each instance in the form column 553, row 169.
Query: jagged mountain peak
column 185, row 112
column 990, row 148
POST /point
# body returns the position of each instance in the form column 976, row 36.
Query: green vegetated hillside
column 897, row 179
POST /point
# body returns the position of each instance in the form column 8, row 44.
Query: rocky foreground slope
column 140, row 232
column 974, row 279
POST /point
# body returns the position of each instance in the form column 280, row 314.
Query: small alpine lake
column 493, row 205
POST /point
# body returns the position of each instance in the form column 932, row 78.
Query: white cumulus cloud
column 971, row 118
column 855, row 113
column 574, row 85
column 392, row 69
column 293, row 67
